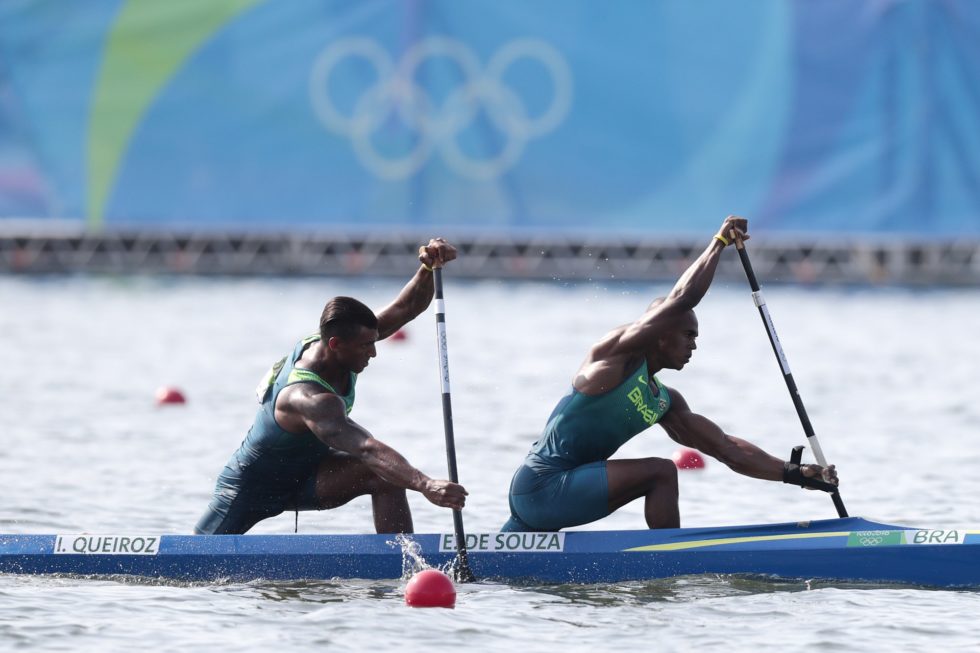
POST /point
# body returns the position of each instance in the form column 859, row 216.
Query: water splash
column 412, row 560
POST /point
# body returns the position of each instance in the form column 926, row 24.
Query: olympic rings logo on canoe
column 438, row 125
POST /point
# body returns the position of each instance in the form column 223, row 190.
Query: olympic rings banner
column 652, row 117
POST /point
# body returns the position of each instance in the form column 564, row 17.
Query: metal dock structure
column 801, row 261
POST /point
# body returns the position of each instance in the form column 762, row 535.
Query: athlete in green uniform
column 303, row 452
column 567, row 478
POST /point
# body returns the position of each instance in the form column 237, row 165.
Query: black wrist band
column 792, row 474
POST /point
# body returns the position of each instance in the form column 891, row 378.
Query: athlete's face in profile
column 354, row 353
column 677, row 345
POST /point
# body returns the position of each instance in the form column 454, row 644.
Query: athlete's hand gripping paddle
column 793, row 472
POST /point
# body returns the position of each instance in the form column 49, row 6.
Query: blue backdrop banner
column 840, row 116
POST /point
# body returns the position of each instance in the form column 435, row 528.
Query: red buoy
column 167, row 395
column 688, row 459
column 430, row 588
column 398, row 336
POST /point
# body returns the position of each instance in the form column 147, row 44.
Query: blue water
column 888, row 377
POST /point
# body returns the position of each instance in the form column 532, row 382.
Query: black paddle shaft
column 777, row 349
column 463, row 572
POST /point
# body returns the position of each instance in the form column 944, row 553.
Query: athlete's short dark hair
column 344, row 316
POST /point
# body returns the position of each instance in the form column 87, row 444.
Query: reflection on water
column 687, row 588
column 320, row 591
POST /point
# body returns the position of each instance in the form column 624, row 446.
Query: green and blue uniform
column 274, row 469
column 562, row 482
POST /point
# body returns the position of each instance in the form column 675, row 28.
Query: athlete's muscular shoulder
column 608, row 347
column 301, row 404
column 604, row 368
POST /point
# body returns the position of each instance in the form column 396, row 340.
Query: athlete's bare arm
column 618, row 352
column 304, row 407
column 417, row 293
column 693, row 430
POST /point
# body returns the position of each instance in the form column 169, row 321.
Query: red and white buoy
column 167, row 395
column 688, row 459
column 430, row 588
column 398, row 336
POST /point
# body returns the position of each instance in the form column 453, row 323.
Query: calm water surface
column 888, row 376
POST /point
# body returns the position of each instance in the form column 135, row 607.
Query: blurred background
column 553, row 139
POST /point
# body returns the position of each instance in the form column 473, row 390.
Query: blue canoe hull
column 852, row 549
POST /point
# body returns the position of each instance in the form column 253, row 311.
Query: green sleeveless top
column 271, row 383
column 584, row 428
column 271, row 458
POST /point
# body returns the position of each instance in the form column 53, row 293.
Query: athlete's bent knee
column 664, row 471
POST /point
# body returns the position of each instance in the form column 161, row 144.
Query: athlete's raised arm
column 620, row 351
column 684, row 296
column 417, row 293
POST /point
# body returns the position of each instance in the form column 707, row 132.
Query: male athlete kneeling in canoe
column 567, row 478
column 303, row 452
